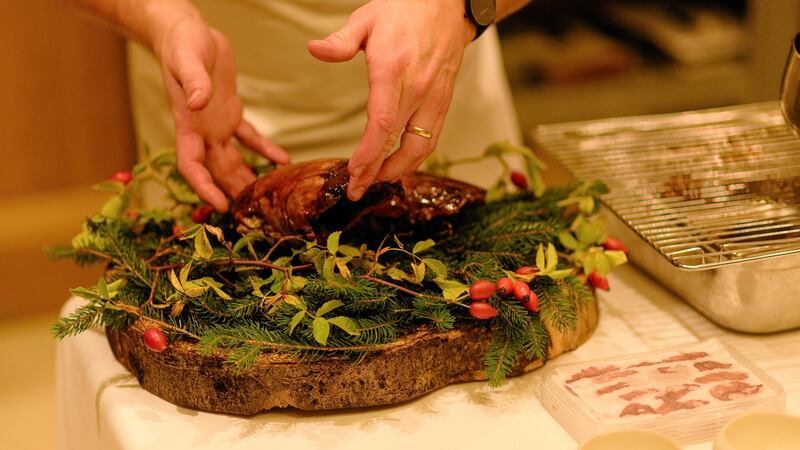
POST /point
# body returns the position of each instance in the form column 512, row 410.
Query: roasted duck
column 309, row 199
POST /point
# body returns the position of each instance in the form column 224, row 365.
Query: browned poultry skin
column 309, row 199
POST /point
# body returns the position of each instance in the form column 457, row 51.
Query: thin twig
column 390, row 284
column 278, row 243
column 96, row 253
column 138, row 312
column 153, row 287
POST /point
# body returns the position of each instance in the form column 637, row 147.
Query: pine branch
column 501, row 356
column 84, row 318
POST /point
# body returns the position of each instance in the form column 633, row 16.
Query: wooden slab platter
column 412, row 366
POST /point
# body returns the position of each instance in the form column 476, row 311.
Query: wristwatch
column 480, row 13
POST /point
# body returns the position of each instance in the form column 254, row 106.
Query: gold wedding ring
column 422, row 132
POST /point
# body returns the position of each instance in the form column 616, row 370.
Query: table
column 101, row 406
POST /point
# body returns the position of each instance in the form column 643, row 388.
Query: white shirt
column 315, row 109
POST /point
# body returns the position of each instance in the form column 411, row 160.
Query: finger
column 385, row 121
column 414, row 149
column 247, row 134
column 190, row 153
column 341, row 45
column 227, row 168
column 190, row 72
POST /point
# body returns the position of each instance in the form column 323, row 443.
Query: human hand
column 413, row 51
column 200, row 78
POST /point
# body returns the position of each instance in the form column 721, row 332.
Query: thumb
column 190, row 72
column 341, row 45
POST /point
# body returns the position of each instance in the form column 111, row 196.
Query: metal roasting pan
column 708, row 203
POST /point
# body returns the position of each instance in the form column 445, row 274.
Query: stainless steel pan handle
column 790, row 87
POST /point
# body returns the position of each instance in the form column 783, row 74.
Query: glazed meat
column 309, row 199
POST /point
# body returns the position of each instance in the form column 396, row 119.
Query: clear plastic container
column 687, row 393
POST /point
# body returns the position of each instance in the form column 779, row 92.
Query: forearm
column 505, row 8
column 146, row 21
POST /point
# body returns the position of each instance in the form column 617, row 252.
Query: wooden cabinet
column 65, row 121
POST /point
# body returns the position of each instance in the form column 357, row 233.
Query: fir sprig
column 246, row 295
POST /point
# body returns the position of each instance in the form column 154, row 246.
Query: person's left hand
column 413, row 51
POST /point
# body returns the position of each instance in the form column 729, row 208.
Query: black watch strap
column 480, row 13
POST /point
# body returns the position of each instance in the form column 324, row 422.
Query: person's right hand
column 200, row 77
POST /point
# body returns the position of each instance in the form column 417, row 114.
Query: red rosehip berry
column 155, row 339
column 526, row 270
column 532, row 302
column 482, row 310
column 177, row 231
column 598, row 281
column 202, row 213
column 521, row 290
column 481, row 290
column 520, row 180
column 505, row 286
column 123, row 177
column 614, row 244
column 133, row 215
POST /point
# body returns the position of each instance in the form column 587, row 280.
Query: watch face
column 482, row 11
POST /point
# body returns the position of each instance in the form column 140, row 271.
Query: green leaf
column 346, row 324
column 328, row 267
column 537, row 183
column 328, row 306
column 586, row 205
column 184, row 274
column 616, row 257
column 601, row 265
column 191, row 232
column 333, row 242
column 552, row 257
column 419, row 272
column 343, row 269
column 321, row 329
column 295, row 301
column 317, row 257
column 175, row 282
column 202, row 247
column 540, row 261
column 568, row 240
column 437, row 267
column 588, row 263
column 296, row 320
column 216, row 231
column 241, row 243
column 451, row 289
column 396, row 274
column 397, row 241
column 349, row 250
column 296, row 283
column 559, row 274
column 86, row 294
column 115, row 206
column 590, row 233
column 216, row 286
column 102, row 288
column 194, row 289
column 421, row 246
column 114, row 287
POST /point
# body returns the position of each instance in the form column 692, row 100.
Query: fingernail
column 357, row 171
column 195, row 96
column 357, row 192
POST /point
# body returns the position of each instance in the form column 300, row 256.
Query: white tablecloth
column 101, row 406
